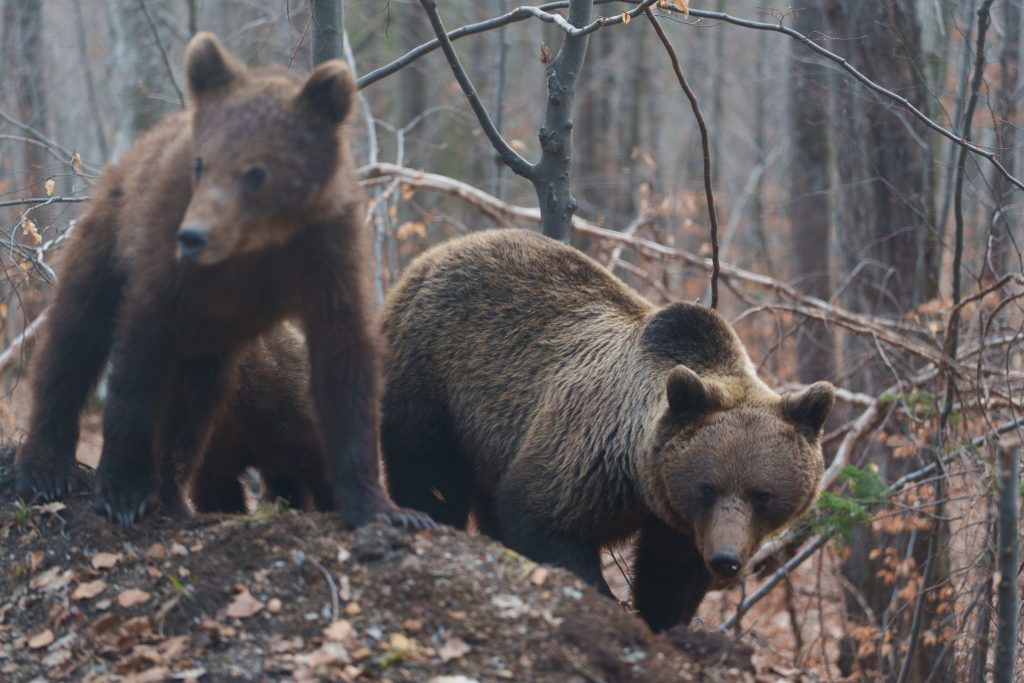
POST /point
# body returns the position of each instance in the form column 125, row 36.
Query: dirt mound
column 295, row 596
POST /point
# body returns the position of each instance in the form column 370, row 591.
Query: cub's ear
column 808, row 409
column 329, row 90
column 688, row 394
column 208, row 66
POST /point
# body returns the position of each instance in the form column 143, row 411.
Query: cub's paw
column 124, row 499
column 41, row 477
column 404, row 518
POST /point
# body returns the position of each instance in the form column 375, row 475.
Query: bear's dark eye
column 707, row 495
column 253, row 178
column 761, row 499
column 197, row 167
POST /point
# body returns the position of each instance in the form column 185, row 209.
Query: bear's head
column 266, row 145
column 732, row 466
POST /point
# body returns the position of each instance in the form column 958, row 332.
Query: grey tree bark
column 326, row 30
column 1004, row 240
column 810, row 190
column 884, row 223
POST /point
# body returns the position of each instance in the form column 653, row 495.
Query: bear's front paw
column 406, row 519
column 125, row 497
column 42, row 476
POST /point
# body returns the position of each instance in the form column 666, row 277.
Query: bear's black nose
column 191, row 241
column 726, row 564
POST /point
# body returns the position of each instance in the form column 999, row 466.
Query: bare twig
column 163, row 52
column 31, row 201
column 513, row 159
column 516, row 15
column 330, row 582
column 705, row 148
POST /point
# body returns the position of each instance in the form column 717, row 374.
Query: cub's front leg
column 127, row 480
column 346, row 391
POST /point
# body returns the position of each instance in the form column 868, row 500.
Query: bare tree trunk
column 147, row 95
column 1008, row 563
column 90, row 85
column 552, row 174
column 883, row 225
column 326, row 30
column 1005, row 221
column 809, row 210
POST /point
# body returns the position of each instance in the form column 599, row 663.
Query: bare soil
column 290, row 596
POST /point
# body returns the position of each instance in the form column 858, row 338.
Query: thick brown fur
column 219, row 223
column 526, row 384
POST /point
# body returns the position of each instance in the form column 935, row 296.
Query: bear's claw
column 407, row 519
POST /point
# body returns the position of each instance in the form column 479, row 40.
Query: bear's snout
column 725, row 564
column 192, row 240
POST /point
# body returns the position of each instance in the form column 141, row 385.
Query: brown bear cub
column 221, row 222
column 527, row 384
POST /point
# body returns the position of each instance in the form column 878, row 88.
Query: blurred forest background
column 860, row 240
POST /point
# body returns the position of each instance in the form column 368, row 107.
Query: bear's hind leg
column 422, row 464
column 669, row 576
column 186, row 422
column 216, row 485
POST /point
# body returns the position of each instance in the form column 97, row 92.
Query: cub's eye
column 761, row 498
column 253, row 178
column 197, row 167
column 707, row 495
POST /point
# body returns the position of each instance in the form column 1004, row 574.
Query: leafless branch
column 163, row 53
column 705, row 148
column 512, row 159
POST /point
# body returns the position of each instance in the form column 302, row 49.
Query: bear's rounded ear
column 208, row 66
column 809, row 408
column 329, row 90
column 688, row 394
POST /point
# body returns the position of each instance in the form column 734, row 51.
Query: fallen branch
column 13, row 353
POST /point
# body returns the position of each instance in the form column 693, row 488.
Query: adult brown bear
column 526, row 383
column 220, row 222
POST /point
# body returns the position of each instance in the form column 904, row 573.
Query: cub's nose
column 726, row 564
column 191, row 241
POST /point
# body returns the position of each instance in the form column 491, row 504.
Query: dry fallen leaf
column 156, row 552
column 453, row 648
column 50, row 580
column 132, row 597
column 341, row 631
column 105, row 560
column 35, row 560
column 41, row 639
column 626, row 17
column 28, row 228
column 412, row 625
column 279, row 645
column 244, row 605
column 88, row 590
column 49, row 186
column 539, row 575
column 353, row 609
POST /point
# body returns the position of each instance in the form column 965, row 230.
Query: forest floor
column 283, row 595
